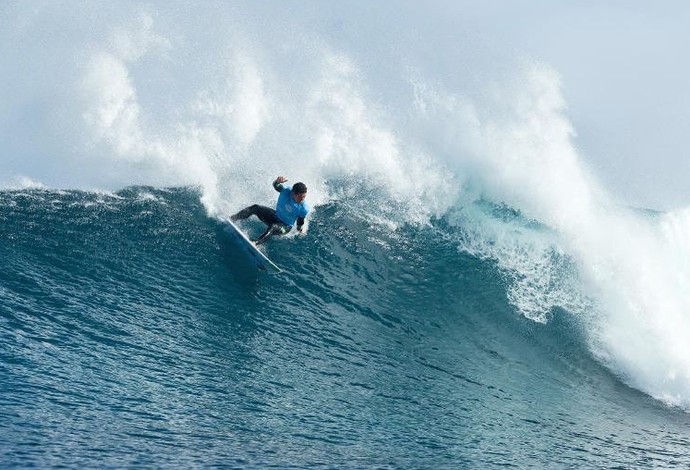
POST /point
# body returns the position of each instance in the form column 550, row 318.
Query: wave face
column 135, row 333
column 464, row 266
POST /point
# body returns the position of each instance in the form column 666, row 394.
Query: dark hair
column 299, row 188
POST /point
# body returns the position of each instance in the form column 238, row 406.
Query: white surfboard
column 254, row 254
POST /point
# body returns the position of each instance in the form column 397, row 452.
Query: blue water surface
column 134, row 333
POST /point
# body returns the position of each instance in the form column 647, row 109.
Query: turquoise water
column 134, row 333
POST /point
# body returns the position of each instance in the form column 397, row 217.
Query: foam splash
column 245, row 122
column 22, row 182
column 644, row 323
column 626, row 272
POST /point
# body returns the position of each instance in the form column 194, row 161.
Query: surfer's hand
column 281, row 179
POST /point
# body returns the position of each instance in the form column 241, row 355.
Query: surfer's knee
column 254, row 209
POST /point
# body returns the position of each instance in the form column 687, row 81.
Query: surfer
column 291, row 208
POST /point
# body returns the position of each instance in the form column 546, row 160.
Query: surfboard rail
column 255, row 255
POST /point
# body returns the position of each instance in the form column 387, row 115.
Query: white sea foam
column 631, row 268
column 22, row 182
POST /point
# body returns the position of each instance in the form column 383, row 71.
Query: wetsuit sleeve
column 302, row 216
column 278, row 186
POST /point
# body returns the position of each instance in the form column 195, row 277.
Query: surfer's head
column 299, row 192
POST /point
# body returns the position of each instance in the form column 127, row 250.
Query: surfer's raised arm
column 278, row 183
column 291, row 209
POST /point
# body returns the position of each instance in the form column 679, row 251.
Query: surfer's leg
column 243, row 214
column 265, row 214
column 273, row 229
column 270, row 231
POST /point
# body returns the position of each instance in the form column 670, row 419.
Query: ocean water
column 134, row 333
column 469, row 293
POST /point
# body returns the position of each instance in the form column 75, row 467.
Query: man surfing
column 291, row 208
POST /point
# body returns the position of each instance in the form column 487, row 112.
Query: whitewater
column 469, row 293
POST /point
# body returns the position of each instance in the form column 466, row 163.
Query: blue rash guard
column 289, row 211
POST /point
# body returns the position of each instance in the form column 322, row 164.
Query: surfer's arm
column 304, row 212
column 278, row 183
column 300, row 223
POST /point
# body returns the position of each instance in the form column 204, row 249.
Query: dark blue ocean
column 134, row 333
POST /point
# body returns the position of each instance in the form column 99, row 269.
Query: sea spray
column 625, row 272
column 644, row 322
